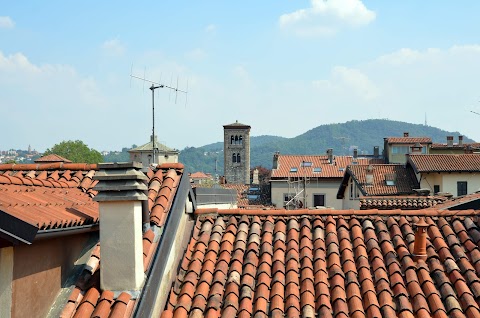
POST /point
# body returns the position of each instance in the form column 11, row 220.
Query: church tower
column 236, row 153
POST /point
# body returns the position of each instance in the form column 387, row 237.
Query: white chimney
column 255, row 177
column 449, row 141
column 369, row 176
column 121, row 192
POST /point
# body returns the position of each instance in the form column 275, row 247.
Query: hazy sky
column 281, row 66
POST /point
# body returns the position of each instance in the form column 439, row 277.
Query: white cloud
column 210, row 28
column 348, row 80
column 325, row 18
column 241, row 72
column 196, row 54
column 113, row 47
column 6, row 23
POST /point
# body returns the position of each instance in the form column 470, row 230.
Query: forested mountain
column 364, row 135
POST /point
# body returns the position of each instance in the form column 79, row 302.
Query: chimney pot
column 460, row 140
column 376, row 151
column 405, row 134
column 420, row 244
column 355, row 153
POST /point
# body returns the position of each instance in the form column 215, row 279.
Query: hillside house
column 458, row 174
column 395, row 148
column 299, row 181
column 379, row 183
column 451, row 147
column 144, row 153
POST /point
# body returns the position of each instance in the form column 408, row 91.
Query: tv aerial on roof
column 155, row 85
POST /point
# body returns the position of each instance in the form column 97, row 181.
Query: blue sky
column 281, row 66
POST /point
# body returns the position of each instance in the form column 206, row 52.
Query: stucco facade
column 280, row 189
column 448, row 182
column 144, row 153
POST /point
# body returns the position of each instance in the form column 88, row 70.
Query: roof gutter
column 148, row 296
column 60, row 232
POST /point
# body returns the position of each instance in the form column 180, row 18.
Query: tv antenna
column 155, row 85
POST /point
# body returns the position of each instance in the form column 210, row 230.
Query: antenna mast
column 154, row 86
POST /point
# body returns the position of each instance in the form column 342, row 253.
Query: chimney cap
column 421, row 223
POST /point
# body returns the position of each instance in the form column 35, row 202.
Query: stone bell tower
column 236, row 152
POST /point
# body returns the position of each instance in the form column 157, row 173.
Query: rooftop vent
column 420, row 244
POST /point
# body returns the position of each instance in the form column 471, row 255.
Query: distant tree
column 75, row 151
column 10, row 161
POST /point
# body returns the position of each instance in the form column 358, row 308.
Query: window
column 232, row 140
column 306, row 164
column 390, row 182
column 234, row 158
column 436, row 188
column 461, row 188
column 341, row 169
column 240, row 140
column 293, row 169
column 351, row 190
column 238, row 158
column 319, row 200
column 400, row 149
column 317, row 170
column 236, row 140
column 287, row 197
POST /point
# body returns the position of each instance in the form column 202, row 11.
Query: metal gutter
column 16, row 230
column 45, row 234
column 148, row 296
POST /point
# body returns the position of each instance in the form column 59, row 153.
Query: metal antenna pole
column 152, row 88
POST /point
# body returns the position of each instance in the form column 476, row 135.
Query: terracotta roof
column 236, row 124
column 158, row 146
column 408, row 140
column 474, row 145
column 403, row 180
column 267, row 263
column 241, row 189
column 48, row 198
column 52, row 158
column 453, row 202
column 87, row 299
column 305, row 166
column 200, row 175
column 400, row 202
column 445, row 162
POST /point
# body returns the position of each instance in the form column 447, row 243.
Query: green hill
column 364, row 134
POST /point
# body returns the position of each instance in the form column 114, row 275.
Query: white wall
column 328, row 188
column 448, row 181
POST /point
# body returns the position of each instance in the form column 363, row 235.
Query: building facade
column 144, row 153
column 236, row 153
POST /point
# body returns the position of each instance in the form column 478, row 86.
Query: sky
column 281, row 66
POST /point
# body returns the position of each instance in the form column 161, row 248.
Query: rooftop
column 388, row 179
column 445, row 162
column 408, row 140
column 327, row 263
column 316, row 166
column 149, row 146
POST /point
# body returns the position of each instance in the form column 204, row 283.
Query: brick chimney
column 330, row 155
column 369, row 176
column 406, row 134
column 460, row 140
column 449, row 141
column 420, row 244
column 121, row 192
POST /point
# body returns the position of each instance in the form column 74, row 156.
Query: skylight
column 390, row 182
column 306, row 163
column 317, row 170
column 293, row 169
